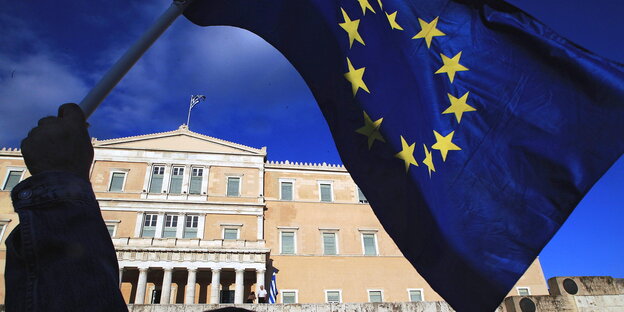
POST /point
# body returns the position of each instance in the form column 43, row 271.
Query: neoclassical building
column 195, row 219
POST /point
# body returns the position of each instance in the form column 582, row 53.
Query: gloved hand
column 60, row 143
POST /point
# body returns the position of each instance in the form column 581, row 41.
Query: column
column 160, row 225
column 139, row 224
column 189, row 294
column 215, row 285
column 140, row 293
column 181, row 223
column 259, row 279
column 121, row 269
column 165, row 294
column 260, row 235
column 238, row 291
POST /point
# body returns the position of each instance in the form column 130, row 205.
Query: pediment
column 182, row 140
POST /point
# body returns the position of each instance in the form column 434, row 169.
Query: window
column 190, row 228
column 176, row 180
column 369, row 242
column 326, row 192
column 117, row 182
column 13, row 178
column 361, row 198
column 375, row 296
column 286, row 190
column 329, row 243
column 196, row 180
column 289, row 296
column 230, row 234
column 288, row 243
column 149, row 225
column 3, row 226
column 524, row 291
column 111, row 229
column 171, row 226
column 415, row 295
column 333, row 296
column 233, row 186
column 158, row 172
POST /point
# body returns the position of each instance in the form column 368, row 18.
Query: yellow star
column 428, row 161
column 371, row 130
column 444, row 144
column 392, row 21
column 365, row 5
column 451, row 65
column 407, row 154
column 458, row 106
column 355, row 78
column 380, row 4
column 351, row 27
column 428, row 31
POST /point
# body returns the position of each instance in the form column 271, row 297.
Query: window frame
column 8, row 174
column 115, row 224
column 184, row 227
column 288, row 230
column 369, row 232
column 227, row 186
column 201, row 179
column 332, row 290
column 331, row 191
column 236, row 226
column 151, row 178
column 368, row 292
column 523, row 287
column 123, row 182
column 4, row 223
column 336, row 242
column 175, row 217
column 151, row 220
column 171, row 177
column 295, row 291
column 422, row 294
column 292, row 194
column 358, row 190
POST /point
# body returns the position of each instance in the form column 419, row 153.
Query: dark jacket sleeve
column 60, row 257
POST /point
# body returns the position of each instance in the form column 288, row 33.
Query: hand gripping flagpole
column 90, row 102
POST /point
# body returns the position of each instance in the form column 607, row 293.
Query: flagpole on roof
column 99, row 92
column 195, row 99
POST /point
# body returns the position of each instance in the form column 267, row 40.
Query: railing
column 187, row 243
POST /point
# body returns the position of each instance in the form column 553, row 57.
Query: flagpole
column 188, row 119
column 91, row 101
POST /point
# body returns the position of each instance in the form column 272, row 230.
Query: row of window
column 335, row 295
column 326, row 193
column 288, row 242
column 374, row 295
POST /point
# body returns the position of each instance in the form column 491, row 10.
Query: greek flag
column 273, row 291
column 195, row 99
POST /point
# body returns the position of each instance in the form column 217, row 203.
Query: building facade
column 195, row 219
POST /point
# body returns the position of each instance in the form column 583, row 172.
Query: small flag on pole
column 195, row 99
column 273, row 291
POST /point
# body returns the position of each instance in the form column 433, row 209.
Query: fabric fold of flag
column 472, row 129
column 273, row 291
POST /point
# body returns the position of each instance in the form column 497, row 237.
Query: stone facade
column 198, row 220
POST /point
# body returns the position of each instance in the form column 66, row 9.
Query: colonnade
column 189, row 293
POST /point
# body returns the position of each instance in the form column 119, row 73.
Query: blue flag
column 472, row 128
column 273, row 291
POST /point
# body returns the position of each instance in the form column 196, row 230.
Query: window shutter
column 369, row 244
column 233, row 186
column 289, row 297
column 117, row 182
column 326, row 193
column 288, row 243
column 374, row 296
column 195, row 187
column 12, row 180
column 415, row 295
column 287, row 191
column 329, row 243
column 230, row 234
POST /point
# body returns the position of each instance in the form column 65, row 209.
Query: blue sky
column 52, row 52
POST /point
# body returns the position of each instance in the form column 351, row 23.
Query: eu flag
column 472, row 128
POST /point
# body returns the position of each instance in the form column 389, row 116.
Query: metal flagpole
column 90, row 102
column 188, row 119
